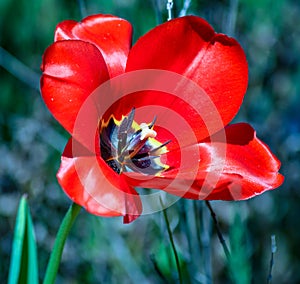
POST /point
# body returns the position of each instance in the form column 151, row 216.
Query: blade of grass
column 157, row 269
column 218, row 230
column 273, row 250
column 17, row 246
column 239, row 265
column 23, row 265
column 204, row 229
column 19, row 70
column 172, row 243
column 32, row 275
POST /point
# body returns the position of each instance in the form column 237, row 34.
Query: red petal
column 110, row 34
column 100, row 192
column 71, row 71
column 190, row 47
column 237, row 168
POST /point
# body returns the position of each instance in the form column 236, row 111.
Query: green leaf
column 23, row 264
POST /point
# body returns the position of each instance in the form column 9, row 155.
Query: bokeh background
column 103, row 250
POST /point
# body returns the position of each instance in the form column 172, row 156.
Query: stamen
column 152, row 152
column 125, row 130
column 146, row 132
column 153, row 122
column 126, row 147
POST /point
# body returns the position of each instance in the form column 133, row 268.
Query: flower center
column 128, row 147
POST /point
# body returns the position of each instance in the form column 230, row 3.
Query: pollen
column 146, row 132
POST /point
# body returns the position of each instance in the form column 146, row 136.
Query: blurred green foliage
column 103, row 250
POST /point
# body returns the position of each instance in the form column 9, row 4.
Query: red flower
column 231, row 162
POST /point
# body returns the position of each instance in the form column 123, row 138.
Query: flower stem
column 59, row 243
column 173, row 245
column 219, row 233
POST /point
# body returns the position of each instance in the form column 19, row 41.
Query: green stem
column 59, row 243
column 173, row 245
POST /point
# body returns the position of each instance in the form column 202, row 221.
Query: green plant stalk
column 59, row 243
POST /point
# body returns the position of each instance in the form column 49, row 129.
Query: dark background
column 103, row 250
